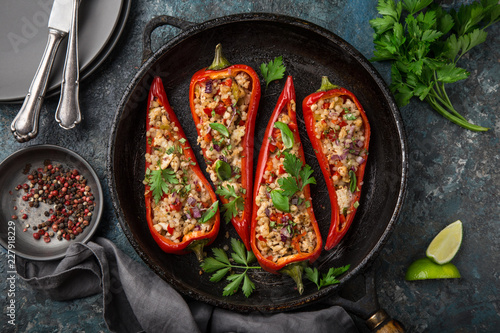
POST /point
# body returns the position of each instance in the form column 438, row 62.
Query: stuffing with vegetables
column 284, row 232
column 340, row 133
column 181, row 207
column 224, row 101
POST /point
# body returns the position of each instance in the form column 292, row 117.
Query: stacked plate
column 24, row 35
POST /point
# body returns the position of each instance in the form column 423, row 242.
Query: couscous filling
column 284, row 226
column 179, row 198
column 340, row 128
column 222, row 105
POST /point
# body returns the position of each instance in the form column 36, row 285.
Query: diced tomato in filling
column 176, row 206
column 170, row 229
column 220, row 109
column 207, row 137
column 228, row 82
column 281, row 169
column 208, row 111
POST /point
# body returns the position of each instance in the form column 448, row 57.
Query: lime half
column 446, row 244
column 425, row 269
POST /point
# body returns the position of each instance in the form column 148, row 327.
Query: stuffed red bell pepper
column 340, row 133
column 181, row 207
column 224, row 100
column 284, row 232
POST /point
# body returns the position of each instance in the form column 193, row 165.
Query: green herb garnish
column 221, row 265
column 274, row 70
column 425, row 44
column 353, row 182
column 280, row 200
column 326, row 279
column 159, row 181
column 231, row 208
column 223, row 169
column 300, row 176
column 349, row 116
column 209, row 213
column 286, row 134
column 220, row 128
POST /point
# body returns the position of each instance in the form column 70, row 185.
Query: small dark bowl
column 13, row 172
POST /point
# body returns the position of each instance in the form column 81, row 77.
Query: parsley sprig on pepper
column 160, row 181
column 233, row 206
column 300, row 176
column 425, row 43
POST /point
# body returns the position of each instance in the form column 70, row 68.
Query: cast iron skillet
column 309, row 52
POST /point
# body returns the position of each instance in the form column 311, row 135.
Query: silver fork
column 68, row 110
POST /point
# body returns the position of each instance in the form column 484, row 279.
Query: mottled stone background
column 453, row 172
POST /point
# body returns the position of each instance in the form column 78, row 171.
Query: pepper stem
column 197, row 248
column 295, row 271
column 220, row 62
column 327, row 85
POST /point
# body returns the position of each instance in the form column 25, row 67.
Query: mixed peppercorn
column 68, row 192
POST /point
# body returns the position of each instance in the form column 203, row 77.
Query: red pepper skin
column 287, row 95
column 242, row 225
column 190, row 241
column 338, row 225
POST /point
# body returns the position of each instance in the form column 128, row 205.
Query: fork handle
column 68, row 110
column 25, row 124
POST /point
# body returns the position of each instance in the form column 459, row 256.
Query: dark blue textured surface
column 453, row 173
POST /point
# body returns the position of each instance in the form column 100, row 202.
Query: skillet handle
column 156, row 22
column 381, row 322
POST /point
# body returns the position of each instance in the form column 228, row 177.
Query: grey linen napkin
column 136, row 299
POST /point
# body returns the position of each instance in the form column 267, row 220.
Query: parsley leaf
column 227, row 192
column 274, row 70
column 159, row 181
column 305, row 175
column 326, row 279
column 292, row 164
column 300, row 177
column 221, row 265
column 231, row 208
column 169, row 175
column 289, row 186
column 424, row 42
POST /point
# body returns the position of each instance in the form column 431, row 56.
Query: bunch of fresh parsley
column 425, row 43
column 221, row 265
